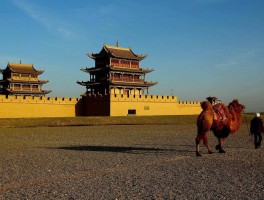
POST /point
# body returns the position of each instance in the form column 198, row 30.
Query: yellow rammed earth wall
column 146, row 105
column 94, row 105
column 27, row 106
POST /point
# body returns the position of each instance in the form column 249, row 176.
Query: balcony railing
column 25, row 89
column 125, row 79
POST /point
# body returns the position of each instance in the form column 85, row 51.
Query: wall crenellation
column 189, row 102
column 149, row 98
column 36, row 99
column 144, row 97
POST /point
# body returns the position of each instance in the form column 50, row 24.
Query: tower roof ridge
column 23, row 68
column 117, row 47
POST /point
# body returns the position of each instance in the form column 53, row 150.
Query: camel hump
column 206, row 105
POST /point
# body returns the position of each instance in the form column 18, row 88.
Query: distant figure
column 256, row 128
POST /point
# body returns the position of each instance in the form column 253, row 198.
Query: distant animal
column 208, row 120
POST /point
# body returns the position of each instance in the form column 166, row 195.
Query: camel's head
column 236, row 106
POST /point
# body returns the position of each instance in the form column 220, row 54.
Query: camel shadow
column 118, row 149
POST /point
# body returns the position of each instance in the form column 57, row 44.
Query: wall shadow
column 116, row 149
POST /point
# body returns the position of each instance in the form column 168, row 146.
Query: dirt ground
column 126, row 162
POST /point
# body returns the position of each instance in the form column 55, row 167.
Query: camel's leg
column 198, row 139
column 220, row 145
column 205, row 141
column 204, row 126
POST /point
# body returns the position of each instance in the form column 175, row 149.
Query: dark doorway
column 132, row 112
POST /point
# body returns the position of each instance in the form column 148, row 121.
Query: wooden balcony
column 125, row 79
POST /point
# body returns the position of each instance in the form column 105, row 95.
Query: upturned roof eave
column 88, row 83
column 109, row 50
column 92, row 69
column 23, row 68
column 138, row 58
column 28, row 92
column 27, row 81
column 138, row 70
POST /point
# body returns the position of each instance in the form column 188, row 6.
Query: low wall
column 147, row 105
column 27, row 106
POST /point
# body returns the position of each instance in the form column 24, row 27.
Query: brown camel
column 221, row 128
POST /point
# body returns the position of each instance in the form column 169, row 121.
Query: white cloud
column 44, row 18
column 238, row 60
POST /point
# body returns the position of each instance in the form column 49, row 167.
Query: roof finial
column 117, row 43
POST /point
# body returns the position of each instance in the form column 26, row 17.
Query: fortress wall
column 123, row 105
column 189, row 107
column 96, row 105
column 27, row 106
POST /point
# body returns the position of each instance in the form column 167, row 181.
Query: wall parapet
column 95, row 96
column 35, row 99
column 148, row 98
column 189, row 103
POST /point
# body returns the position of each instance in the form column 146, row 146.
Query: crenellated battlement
column 96, row 96
column 189, row 103
column 39, row 100
column 124, row 97
column 143, row 98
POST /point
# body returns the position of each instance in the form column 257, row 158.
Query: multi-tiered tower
column 117, row 71
column 22, row 79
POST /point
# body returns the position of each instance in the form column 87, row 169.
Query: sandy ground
column 126, row 162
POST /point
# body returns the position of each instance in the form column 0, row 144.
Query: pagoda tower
column 22, row 79
column 117, row 71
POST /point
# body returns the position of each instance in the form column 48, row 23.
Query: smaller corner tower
column 117, row 71
column 22, row 79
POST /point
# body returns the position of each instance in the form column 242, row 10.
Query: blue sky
column 197, row 48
